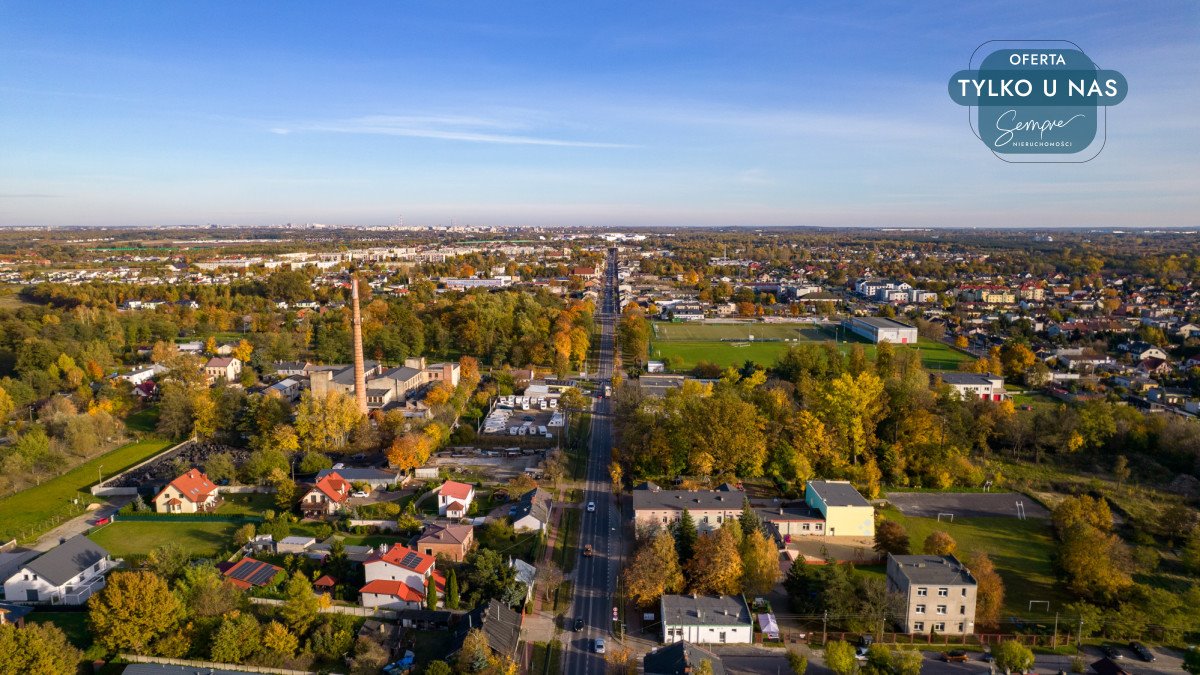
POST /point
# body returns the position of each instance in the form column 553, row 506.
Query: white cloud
column 442, row 127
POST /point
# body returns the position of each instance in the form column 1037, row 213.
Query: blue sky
column 599, row 113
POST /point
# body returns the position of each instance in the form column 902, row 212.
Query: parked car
column 988, row 656
column 578, row 624
column 598, row 645
column 591, row 507
column 955, row 656
column 360, row 494
column 1111, row 652
column 1142, row 651
column 587, row 551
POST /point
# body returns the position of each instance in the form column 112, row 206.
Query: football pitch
column 732, row 344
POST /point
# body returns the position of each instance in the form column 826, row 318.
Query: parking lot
column 967, row 504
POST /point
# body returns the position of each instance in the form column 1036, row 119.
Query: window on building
column 964, row 592
column 722, row 637
column 943, row 592
column 704, row 520
column 804, row 527
column 922, row 592
column 962, row 609
column 941, row 609
column 718, row 519
column 919, row 609
column 961, row 627
column 940, row 627
column 918, row 626
column 664, row 520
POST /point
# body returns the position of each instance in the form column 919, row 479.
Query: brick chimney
column 360, row 374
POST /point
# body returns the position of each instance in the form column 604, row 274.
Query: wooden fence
column 235, row 667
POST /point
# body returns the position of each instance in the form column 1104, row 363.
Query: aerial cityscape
column 665, row 339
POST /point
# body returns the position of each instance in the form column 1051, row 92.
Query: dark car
column 988, row 656
column 578, row 624
column 956, row 656
column 1111, row 652
column 1142, row 652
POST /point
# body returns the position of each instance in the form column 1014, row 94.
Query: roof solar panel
column 262, row 575
column 411, row 560
column 242, row 571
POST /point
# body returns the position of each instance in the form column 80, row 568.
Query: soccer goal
column 1045, row 604
column 949, row 516
column 1021, row 510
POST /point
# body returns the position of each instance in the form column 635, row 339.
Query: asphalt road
column 596, row 576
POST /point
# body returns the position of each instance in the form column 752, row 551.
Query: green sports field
column 731, row 344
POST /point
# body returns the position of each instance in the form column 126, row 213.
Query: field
column 730, row 345
column 1021, row 550
column 246, row 504
column 31, row 512
column 132, row 540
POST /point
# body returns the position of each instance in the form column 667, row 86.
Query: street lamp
column 99, row 475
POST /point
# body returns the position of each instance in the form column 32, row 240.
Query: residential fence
column 368, row 612
column 1050, row 641
column 236, row 667
column 381, row 524
column 232, row 518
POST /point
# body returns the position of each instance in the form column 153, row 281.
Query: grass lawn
column 248, row 504
column 872, row 571
column 144, row 421
column 523, row 545
column 133, row 540
column 934, row 355
column 1020, row 549
column 546, row 657
column 74, row 624
column 31, row 512
column 669, row 332
column 568, row 540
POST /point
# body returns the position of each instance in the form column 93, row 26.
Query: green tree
column 6, row 405
column 36, row 648
column 907, row 662
column 220, row 467
column 168, row 560
column 237, row 638
column 431, row 594
column 300, row 604
column 452, row 591
column 685, row 537
column 1190, row 555
column 438, row 668
column 1191, row 661
column 1012, row 656
column 313, row 461
column 839, row 657
column 369, row 657
column 797, row 662
column 989, row 590
column 132, row 610
column 475, row 655
column 891, row 537
column 879, row 660
column 285, row 490
column 205, row 594
column 750, row 520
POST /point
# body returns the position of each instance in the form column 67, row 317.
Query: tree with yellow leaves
column 654, row 570
column 716, row 566
column 243, row 350
column 760, row 563
column 409, row 451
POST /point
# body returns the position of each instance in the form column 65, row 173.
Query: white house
column 67, row 574
column 976, row 385
column 706, row 619
column 192, row 492
column 532, row 511
column 228, row 367
column 454, row 499
column 397, row 578
column 877, row 329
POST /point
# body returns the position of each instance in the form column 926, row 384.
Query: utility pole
column 824, row 627
column 1079, row 635
column 1055, row 643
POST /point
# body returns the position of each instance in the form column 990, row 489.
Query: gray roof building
column 837, row 493
column 705, row 610
column 534, row 503
column 680, row 658
column 932, row 570
column 499, row 623
column 65, row 561
column 658, row 499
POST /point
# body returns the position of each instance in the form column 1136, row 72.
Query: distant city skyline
column 655, row 114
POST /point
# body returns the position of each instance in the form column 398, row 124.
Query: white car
column 591, row 507
column 598, row 645
column 360, row 494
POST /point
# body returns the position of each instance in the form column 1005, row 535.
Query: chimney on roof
column 360, row 375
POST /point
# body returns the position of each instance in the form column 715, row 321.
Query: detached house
column 452, row 541
column 326, row 497
column 454, row 499
column 192, row 492
column 397, row 578
column 938, row 592
column 67, row 574
column 532, row 511
column 227, row 367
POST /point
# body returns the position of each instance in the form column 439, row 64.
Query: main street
column 596, row 576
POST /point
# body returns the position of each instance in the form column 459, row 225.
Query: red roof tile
column 396, row 589
column 397, row 555
column 194, row 485
column 334, row 487
column 455, row 490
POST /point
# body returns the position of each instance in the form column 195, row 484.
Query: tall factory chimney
column 360, row 371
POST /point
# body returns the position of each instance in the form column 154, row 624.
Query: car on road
column 955, row 656
column 1111, row 652
column 578, row 624
column 587, row 551
column 1142, row 651
column 591, row 507
column 988, row 656
column 360, row 494
column 598, row 645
